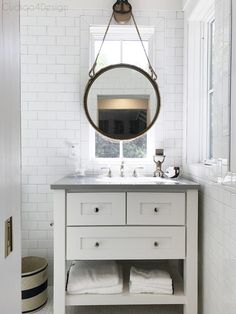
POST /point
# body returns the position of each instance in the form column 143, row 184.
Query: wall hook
column 122, row 10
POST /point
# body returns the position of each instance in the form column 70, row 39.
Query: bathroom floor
column 48, row 309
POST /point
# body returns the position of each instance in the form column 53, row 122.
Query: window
column 120, row 47
column 210, row 92
column 207, row 91
column 199, row 89
column 233, row 93
column 126, row 51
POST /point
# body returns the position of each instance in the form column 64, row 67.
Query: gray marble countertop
column 119, row 184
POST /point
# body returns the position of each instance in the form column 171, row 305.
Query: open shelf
column 127, row 298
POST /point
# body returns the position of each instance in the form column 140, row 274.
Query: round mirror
column 122, row 101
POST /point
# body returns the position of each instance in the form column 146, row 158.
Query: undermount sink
column 134, row 180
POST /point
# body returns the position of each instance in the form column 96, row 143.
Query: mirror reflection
column 122, row 101
column 123, row 115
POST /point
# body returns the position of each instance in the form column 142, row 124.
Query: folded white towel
column 116, row 289
column 136, row 288
column 103, row 277
column 151, row 286
column 150, row 277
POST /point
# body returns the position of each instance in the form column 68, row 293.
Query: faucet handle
column 135, row 172
column 109, row 171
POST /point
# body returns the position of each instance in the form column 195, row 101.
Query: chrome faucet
column 122, row 168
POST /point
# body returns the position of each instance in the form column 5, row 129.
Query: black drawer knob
column 97, row 244
column 156, row 210
column 96, row 209
column 156, row 244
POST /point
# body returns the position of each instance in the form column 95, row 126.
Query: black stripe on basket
column 34, row 273
column 38, row 308
column 30, row 293
column 67, row 277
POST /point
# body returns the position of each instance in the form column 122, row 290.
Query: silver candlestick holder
column 159, row 159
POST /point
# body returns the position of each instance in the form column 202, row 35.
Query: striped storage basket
column 34, row 281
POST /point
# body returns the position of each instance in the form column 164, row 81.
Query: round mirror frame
column 117, row 66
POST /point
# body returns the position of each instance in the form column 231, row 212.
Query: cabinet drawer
column 125, row 243
column 95, row 209
column 156, row 208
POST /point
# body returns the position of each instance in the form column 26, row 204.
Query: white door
column 10, row 267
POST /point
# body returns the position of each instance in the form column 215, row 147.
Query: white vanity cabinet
column 95, row 209
column 126, row 223
column 90, row 243
column 156, row 209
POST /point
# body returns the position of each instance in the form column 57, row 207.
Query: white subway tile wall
column 217, row 248
column 220, row 261
column 55, row 64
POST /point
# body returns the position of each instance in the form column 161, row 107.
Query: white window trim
column 209, row 18
column 210, row 91
column 127, row 33
column 196, row 85
column 233, row 94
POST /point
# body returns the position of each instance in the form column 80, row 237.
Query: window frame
column 210, row 87
column 196, row 86
column 233, row 93
column 122, row 33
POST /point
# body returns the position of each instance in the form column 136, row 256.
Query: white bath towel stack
column 150, row 281
column 95, row 277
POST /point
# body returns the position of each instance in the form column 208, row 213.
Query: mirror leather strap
column 92, row 71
